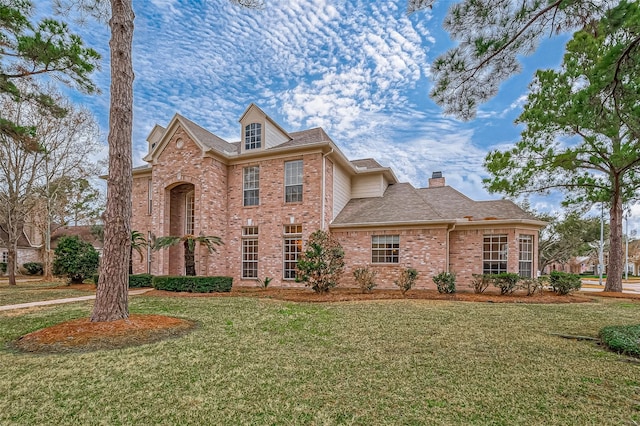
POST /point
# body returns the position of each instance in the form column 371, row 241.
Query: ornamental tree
column 76, row 259
column 322, row 263
column 582, row 134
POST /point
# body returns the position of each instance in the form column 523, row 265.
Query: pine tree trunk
column 616, row 260
column 111, row 297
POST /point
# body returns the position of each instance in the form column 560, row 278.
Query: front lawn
column 260, row 361
column 35, row 291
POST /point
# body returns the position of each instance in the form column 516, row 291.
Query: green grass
column 25, row 292
column 256, row 361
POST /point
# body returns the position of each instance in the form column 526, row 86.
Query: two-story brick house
column 267, row 193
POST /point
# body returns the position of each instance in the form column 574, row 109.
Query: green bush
column 75, row 259
column 95, row 278
column 507, row 282
column 564, row 282
column 3, row 267
column 365, row 278
column 33, row 268
column 624, row 339
column 445, row 282
column 407, row 279
column 140, row 280
column 193, row 284
column 480, row 282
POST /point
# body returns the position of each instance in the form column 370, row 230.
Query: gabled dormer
column 259, row 132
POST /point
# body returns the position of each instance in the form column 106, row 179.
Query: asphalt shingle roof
column 404, row 203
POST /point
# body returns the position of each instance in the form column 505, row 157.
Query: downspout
column 449, row 229
column 324, row 156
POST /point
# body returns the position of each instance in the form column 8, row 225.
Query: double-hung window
column 292, row 250
column 293, row 181
column 525, row 248
column 251, row 185
column 250, row 252
column 385, row 249
column 494, row 254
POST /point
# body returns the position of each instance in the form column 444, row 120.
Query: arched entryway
column 181, row 222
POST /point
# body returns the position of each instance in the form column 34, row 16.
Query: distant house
column 29, row 246
column 84, row 232
column 265, row 194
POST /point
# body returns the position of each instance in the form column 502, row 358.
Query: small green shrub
column 445, row 282
column 193, row 284
column 407, row 279
column 33, row 268
column 480, row 282
column 264, row 283
column 3, row 267
column 533, row 285
column 365, row 279
column 140, row 280
column 95, row 278
column 507, row 282
column 564, row 282
column 624, row 339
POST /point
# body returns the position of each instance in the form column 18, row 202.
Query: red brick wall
column 421, row 249
column 271, row 215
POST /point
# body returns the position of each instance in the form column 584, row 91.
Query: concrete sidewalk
column 60, row 301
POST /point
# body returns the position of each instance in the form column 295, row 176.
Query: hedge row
column 193, row 284
column 140, row 280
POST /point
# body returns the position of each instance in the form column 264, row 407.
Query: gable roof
column 23, row 241
column 403, row 204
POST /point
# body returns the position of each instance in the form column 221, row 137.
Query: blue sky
column 359, row 69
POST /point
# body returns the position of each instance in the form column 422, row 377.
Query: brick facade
column 212, row 170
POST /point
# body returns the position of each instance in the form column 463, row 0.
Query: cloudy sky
column 359, row 69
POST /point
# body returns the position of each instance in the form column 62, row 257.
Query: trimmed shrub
column 33, row 268
column 564, row 282
column 480, row 282
column 407, row 279
column 623, row 339
column 193, row 284
column 365, row 278
column 445, row 282
column 507, row 282
column 75, row 259
column 140, row 280
column 3, row 267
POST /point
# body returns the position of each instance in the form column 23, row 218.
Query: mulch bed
column 82, row 335
column 351, row 294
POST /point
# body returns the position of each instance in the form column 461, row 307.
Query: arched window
column 253, row 136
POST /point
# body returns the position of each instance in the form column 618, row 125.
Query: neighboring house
column 84, row 232
column 575, row 265
column 267, row 193
column 28, row 246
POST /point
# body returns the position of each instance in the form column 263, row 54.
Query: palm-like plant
column 189, row 241
column 138, row 242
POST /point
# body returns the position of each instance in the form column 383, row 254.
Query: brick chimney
column 436, row 180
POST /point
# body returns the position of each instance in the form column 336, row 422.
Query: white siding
column 367, row 186
column 341, row 189
column 273, row 136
